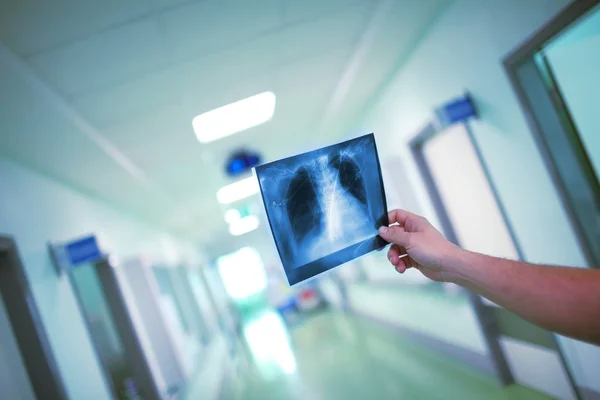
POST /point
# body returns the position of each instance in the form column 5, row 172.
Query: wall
column 463, row 51
column 34, row 210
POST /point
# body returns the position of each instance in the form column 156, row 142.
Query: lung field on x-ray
column 326, row 206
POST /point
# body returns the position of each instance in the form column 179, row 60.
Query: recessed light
column 244, row 225
column 238, row 190
column 234, row 117
column 232, row 215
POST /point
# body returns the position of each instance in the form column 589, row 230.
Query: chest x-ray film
column 324, row 206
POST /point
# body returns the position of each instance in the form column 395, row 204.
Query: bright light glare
column 242, row 272
column 232, row 215
column 268, row 342
column 238, row 190
column 244, row 225
column 234, row 117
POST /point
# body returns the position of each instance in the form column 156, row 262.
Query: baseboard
column 472, row 359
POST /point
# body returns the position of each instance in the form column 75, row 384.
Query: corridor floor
column 338, row 356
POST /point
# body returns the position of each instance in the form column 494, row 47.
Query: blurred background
column 136, row 261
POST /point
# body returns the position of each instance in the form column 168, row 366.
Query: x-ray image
column 324, row 206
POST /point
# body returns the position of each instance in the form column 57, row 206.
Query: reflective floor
column 336, row 356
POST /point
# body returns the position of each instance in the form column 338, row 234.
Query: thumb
column 394, row 234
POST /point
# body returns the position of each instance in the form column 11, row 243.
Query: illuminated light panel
column 244, row 225
column 232, row 215
column 238, row 190
column 234, row 117
column 242, row 272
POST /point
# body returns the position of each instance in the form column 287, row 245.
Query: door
column 554, row 74
column 112, row 331
column 28, row 369
column 145, row 299
column 472, row 216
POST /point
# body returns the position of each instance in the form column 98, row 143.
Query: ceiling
column 101, row 94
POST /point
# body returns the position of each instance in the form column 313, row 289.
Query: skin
column 560, row 299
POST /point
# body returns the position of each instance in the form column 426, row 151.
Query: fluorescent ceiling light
column 238, row 190
column 232, row 215
column 244, row 225
column 234, row 117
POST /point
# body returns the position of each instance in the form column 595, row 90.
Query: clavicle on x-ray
column 325, row 206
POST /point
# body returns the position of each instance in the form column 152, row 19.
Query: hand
column 426, row 248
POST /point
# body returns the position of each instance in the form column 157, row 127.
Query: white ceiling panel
column 165, row 123
column 106, row 59
column 211, row 26
column 144, row 95
column 30, row 27
column 296, row 11
column 324, row 34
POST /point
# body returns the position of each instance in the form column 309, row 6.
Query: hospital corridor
column 299, row 199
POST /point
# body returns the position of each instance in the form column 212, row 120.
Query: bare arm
column 561, row 299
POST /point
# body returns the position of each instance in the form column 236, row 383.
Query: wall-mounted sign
column 457, row 110
column 78, row 251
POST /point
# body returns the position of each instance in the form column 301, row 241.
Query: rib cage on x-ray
column 326, row 201
column 324, row 206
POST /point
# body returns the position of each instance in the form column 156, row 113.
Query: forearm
column 560, row 299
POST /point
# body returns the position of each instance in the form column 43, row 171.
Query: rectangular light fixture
column 238, row 190
column 234, row 117
column 232, row 215
column 244, row 225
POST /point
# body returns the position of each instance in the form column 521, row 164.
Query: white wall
column 35, row 209
column 451, row 320
column 463, row 51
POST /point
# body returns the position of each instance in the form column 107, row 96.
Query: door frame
column 121, row 316
column 484, row 317
column 27, row 326
column 495, row 322
column 555, row 134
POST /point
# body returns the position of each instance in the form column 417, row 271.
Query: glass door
column 554, row 75
column 556, row 79
column 112, row 331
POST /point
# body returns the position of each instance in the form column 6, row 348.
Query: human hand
column 423, row 246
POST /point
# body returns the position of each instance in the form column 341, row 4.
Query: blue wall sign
column 70, row 254
column 83, row 250
column 457, row 110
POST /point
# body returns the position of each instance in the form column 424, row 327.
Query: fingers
column 401, row 267
column 395, row 234
column 394, row 254
column 397, row 255
column 400, row 216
